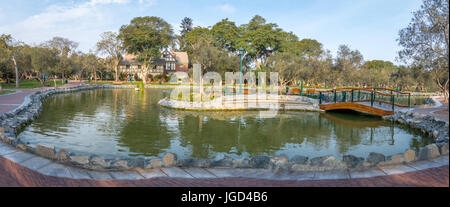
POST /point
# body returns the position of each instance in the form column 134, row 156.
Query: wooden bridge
column 375, row 101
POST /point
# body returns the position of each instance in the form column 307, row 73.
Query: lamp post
column 131, row 74
column 242, row 54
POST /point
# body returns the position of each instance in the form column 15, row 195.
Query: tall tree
column 146, row 37
column 186, row 26
column 111, row 45
column 260, row 39
column 43, row 60
column 425, row 41
column 226, row 35
column 65, row 47
column 348, row 62
column 11, row 50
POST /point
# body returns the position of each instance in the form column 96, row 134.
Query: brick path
column 430, row 111
column 12, row 174
column 11, row 101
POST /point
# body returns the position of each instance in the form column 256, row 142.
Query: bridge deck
column 378, row 108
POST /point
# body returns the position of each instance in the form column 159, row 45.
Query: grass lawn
column 6, row 92
column 27, row 84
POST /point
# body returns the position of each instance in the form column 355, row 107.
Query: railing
column 375, row 96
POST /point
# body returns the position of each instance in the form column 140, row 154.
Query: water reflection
column 127, row 123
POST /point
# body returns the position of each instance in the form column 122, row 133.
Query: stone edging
column 30, row 108
column 280, row 102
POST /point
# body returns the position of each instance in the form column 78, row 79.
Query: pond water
column 126, row 123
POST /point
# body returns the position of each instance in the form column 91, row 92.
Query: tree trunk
column 256, row 63
column 17, row 71
column 116, row 67
column 62, row 76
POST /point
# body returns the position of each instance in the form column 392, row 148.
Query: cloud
column 226, row 8
column 81, row 22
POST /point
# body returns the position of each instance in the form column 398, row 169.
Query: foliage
column 425, row 41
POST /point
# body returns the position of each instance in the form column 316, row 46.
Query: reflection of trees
column 143, row 132
column 249, row 134
column 60, row 111
column 139, row 124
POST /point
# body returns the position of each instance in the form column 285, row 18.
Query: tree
column 260, row 39
column 425, row 41
column 90, row 63
column 43, row 60
column 348, row 62
column 146, row 37
column 226, row 34
column 11, row 50
column 65, row 47
column 111, row 45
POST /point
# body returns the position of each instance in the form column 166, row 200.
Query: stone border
column 280, row 102
column 30, row 108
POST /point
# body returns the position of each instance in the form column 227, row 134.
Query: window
column 139, row 66
column 128, row 67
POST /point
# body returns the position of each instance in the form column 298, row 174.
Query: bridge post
column 344, row 96
column 301, row 88
column 320, row 97
column 352, row 95
column 392, row 98
column 371, row 99
column 409, row 100
column 335, row 98
column 359, row 95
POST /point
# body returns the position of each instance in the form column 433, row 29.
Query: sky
column 371, row 26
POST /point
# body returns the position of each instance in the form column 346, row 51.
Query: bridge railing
column 381, row 97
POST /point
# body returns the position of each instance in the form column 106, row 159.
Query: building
column 169, row 62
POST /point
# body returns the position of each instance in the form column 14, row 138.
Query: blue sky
column 371, row 26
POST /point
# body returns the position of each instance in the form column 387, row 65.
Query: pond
column 125, row 123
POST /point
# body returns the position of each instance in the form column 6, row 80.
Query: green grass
column 2, row 92
column 27, row 84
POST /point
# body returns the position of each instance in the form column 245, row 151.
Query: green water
column 124, row 123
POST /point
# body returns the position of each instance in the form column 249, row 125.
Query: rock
column 188, row 162
column 298, row 159
column 241, row 163
column 367, row 164
column 155, row 163
column 99, row 162
column 169, row 159
column 62, row 156
column 435, row 133
column 79, row 160
column 375, row 158
column 332, row 163
column 260, row 162
column 443, row 148
column 392, row 160
column 327, row 163
column 46, row 151
column 428, row 152
column 409, row 155
column 136, row 163
column 279, row 163
column 22, row 147
column 120, row 164
column 31, row 148
column 203, row 163
column 224, row 161
column 353, row 162
column 301, row 167
column 318, row 160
